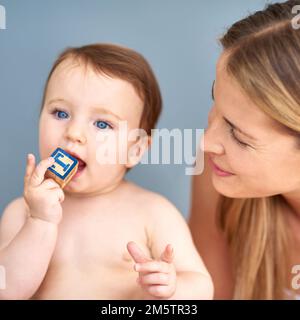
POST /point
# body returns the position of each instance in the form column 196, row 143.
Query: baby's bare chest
column 91, row 260
column 98, row 239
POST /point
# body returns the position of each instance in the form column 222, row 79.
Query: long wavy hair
column 264, row 57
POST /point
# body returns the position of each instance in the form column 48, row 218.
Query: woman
column 246, row 205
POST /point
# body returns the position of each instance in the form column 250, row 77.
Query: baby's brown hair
column 125, row 64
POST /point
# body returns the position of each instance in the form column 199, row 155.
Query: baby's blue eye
column 61, row 115
column 103, row 125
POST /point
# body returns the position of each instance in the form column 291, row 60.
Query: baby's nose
column 76, row 134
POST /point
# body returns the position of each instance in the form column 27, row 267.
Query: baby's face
column 84, row 113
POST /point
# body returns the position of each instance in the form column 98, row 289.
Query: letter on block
column 63, row 169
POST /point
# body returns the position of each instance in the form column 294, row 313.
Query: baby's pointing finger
column 30, row 165
column 136, row 253
column 152, row 266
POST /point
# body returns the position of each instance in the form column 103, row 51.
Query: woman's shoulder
column 209, row 239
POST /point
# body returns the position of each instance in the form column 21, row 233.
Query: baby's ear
column 137, row 150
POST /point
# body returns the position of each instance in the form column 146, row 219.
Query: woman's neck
column 293, row 201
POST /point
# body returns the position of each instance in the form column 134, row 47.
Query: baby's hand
column 157, row 277
column 43, row 197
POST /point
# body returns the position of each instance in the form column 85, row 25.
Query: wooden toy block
column 63, row 169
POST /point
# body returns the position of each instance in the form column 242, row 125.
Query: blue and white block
column 63, row 169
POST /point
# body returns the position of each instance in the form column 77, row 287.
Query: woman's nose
column 212, row 138
column 75, row 133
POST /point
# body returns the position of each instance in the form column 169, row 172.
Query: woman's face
column 242, row 140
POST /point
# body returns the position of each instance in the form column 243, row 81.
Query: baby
column 101, row 237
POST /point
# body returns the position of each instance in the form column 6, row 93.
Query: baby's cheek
column 103, row 176
column 48, row 141
column 110, row 149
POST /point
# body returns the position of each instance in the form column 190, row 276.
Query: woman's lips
column 218, row 171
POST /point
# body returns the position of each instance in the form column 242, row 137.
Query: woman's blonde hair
column 264, row 57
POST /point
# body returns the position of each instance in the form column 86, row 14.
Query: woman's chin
column 226, row 189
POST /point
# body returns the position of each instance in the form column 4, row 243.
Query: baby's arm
column 177, row 275
column 26, row 245
column 28, row 235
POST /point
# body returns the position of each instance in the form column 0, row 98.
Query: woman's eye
column 60, row 114
column 239, row 142
column 233, row 136
column 103, row 125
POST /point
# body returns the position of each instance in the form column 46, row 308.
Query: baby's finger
column 156, row 278
column 158, row 291
column 136, row 253
column 30, row 165
column 153, row 266
column 39, row 173
column 50, row 184
column 61, row 195
column 167, row 255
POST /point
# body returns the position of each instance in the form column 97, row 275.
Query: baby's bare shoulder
column 12, row 220
column 164, row 225
column 155, row 205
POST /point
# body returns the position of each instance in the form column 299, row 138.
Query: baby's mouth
column 81, row 167
column 81, row 164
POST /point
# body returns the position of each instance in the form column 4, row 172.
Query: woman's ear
column 137, row 150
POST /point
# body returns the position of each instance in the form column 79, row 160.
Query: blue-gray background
column 178, row 37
